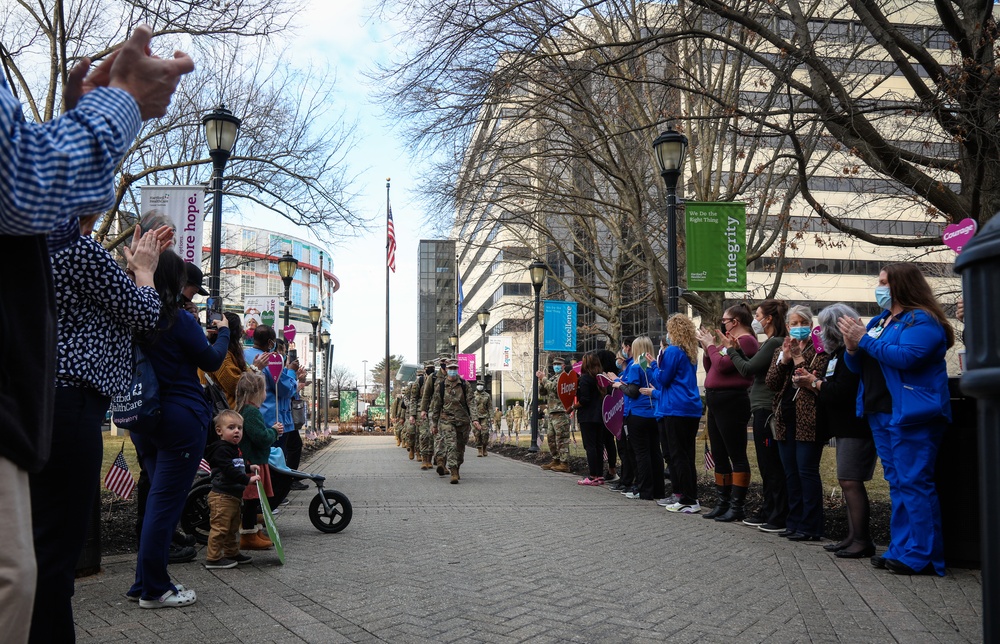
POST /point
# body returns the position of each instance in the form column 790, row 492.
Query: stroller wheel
column 337, row 518
column 196, row 518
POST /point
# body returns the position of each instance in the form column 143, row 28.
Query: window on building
column 247, row 283
column 249, row 241
column 297, row 251
column 297, row 295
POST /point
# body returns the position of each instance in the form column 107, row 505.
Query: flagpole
column 387, row 214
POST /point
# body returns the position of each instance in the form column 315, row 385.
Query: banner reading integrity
column 716, row 240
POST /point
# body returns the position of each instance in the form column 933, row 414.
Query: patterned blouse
column 99, row 309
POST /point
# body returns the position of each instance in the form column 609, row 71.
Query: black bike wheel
column 196, row 518
column 339, row 515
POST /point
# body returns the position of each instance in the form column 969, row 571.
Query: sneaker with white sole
column 612, row 479
column 632, row 495
column 220, row 564
column 670, row 500
column 170, row 599
column 685, row 508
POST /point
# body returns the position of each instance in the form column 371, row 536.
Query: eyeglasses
column 728, row 320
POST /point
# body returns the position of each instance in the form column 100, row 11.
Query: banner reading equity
column 180, row 207
column 559, row 325
column 716, row 236
column 500, row 353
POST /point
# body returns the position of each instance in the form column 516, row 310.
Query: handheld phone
column 293, row 355
column 213, row 306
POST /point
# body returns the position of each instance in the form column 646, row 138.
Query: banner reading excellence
column 716, row 239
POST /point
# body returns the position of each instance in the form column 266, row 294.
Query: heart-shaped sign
column 956, row 236
column 275, row 364
column 817, row 338
column 578, row 368
column 613, row 412
column 567, row 388
column 289, row 332
column 267, row 317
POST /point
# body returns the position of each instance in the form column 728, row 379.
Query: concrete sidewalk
column 515, row 554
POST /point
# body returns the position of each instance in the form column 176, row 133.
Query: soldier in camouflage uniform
column 428, row 441
column 450, row 416
column 497, row 420
column 419, row 426
column 482, row 410
column 517, row 413
column 555, row 416
column 406, row 426
column 397, row 419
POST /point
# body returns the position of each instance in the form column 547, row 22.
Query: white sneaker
column 670, row 500
column 170, row 599
column 685, row 508
column 632, row 495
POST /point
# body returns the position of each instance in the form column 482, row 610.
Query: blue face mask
column 557, row 368
column 452, row 373
column 799, row 332
column 883, row 297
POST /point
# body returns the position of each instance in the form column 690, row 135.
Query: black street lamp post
column 287, row 266
column 453, row 341
column 670, row 147
column 221, row 128
column 324, row 338
column 314, row 315
column 484, row 318
column 537, row 271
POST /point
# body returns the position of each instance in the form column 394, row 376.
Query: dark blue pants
column 63, row 495
column 170, row 457
column 908, row 456
column 800, row 460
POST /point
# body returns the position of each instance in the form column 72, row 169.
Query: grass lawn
column 878, row 488
column 112, row 445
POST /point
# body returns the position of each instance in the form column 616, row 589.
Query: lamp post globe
column 221, row 129
column 670, row 148
column 287, row 266
column 536, row 270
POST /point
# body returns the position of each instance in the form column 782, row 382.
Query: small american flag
column 709, row 461
column 391, row 243
column 204, row 466
column 118, row 479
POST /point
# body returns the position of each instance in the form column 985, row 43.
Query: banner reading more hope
column 183, row 209
column 716, row 235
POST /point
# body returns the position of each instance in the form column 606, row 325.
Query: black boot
column 735, row 512
column 722, row 506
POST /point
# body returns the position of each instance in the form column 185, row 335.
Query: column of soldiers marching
column 436, row 413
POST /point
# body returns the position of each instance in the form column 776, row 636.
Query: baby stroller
column 330, row 511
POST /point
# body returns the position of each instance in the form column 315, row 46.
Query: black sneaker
column 220, row 564
column 241, row 558
column 771, row 528
column 617, row 487
column 299, row 485
column 612, row 479
column 755, row 520
column 181, row 554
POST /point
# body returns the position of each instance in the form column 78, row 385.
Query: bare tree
column 290, row 156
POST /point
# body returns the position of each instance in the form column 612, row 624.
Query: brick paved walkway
column 515, row 554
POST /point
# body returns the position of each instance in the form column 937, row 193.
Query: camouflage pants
column 482, row 436
column 517, row 426
column 398, row 429
column 453, row 439
column 425, row 440
column 558, row 436
column 409, row 428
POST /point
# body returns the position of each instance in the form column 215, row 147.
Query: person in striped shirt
column 50, row 175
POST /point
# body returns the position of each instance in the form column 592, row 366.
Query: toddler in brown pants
column 229, row 479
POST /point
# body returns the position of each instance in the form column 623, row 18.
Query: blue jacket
column 287, row 385
column 621, row 378
column 676, row 381
column 643, row 405
column 911, row 349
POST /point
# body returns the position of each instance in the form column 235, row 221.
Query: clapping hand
column 261, row 361
column 852, row 331
column 144, row 255
column 705, row 338
column 646, row 391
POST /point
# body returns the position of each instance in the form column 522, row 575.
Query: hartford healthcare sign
column 716, row 235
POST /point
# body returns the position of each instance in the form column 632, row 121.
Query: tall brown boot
column 411, row 450
column 454, row 475
column 479, row 452
column 442, row 470
column 486, row 452
column 398, row 441
column 426, row 463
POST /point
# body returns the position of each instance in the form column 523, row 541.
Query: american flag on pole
column 709, row 461
column 391, row 243
column 118, row 479
column 204, row 466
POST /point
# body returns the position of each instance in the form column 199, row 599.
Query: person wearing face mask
column 769, row 320
column 626, row 482
column 555, row 416
column 904, row 395
column 729, row 410
column 800, row 443
column 482, row 411
column 450, row 416
column 518, row 415
column 418, row 421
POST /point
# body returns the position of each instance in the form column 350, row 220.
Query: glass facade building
column 437, row 297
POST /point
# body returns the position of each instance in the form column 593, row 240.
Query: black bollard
column 979, row 265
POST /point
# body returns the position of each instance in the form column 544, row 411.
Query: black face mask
column 428, row 370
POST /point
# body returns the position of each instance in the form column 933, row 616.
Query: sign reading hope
column 567, row 387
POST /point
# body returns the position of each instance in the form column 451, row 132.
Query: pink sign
column 467, row 366
column 578, row 368
column 613, row 412
column 289, row 332
column 275, row 364
column 817, row 338
column 956, row 236
column 603, row 381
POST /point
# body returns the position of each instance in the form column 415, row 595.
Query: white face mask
column 758, row 328
column 479, row 387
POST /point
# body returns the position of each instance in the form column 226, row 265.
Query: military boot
column 479, row 452
column 411, row 451
column 425, row 463
column 560, row 466
column 441, row 469
column 454, row 475
column 398, row 441
column 485, row 452
column 551, row 464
